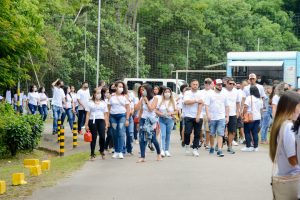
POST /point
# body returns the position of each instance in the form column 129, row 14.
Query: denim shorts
column 217, row 127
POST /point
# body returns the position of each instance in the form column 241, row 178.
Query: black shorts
column 240, row 123
column 232, row 124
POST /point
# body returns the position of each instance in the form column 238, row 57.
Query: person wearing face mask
column 166, row 110
column 83, row 97
column 217, row 112
column 279, row 90
column 109, row 142
column 119, row 110
column 97, row 120
column 57, row 102
column 43, row 107
column 33, row 99
column 69, row 108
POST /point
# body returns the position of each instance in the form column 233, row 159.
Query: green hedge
column 18, row 132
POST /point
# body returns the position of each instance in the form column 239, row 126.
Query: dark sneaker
column 211, row 151
column 216, row 148
column 230, row 151
column 151, row 147
column 182, row 144
column 54, row 132
column 220, row 154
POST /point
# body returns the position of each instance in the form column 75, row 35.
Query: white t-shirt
column 84, row 96
column 33, row 98
column 287, row 150
column 74, row 97
column 68, row 103
column 43, row 99
column 117, row 104
column 146, row 113
column 191, row 110
column 275, row 99
column 206, row 94
column 16, row 99
column 96, row 110
column 233, row 98
column 260, row 89
column 217, row 103
column 58, row 95
column 257, row 106
column 8, row 96
column 166, row 106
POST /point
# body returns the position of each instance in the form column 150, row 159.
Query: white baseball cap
column 219, row 81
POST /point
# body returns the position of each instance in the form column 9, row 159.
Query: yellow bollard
column 62, row 141
column 2, row 187
column 46, row 165
column 75, row 133
column 31, row 162
column 58, row 130
column 35, row 170
column 18, row 179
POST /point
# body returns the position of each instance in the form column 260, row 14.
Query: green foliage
column 18, row 132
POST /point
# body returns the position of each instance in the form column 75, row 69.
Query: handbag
column 284, row 187
column 248, row 116
column 88, row 137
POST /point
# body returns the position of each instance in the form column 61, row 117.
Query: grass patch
column 60, row 168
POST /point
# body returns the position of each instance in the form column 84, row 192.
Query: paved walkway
column 234, row 177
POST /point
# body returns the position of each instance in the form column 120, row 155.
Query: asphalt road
column 241, row 176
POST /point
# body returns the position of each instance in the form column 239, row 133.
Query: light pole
column 98, row 43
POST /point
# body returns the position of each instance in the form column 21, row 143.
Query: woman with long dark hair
column 43, row 107
column 33, row 99
column 148, row 120
column 69, row 108
column 97, row 120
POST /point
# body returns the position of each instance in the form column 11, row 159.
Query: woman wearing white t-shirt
column 287, row 157
column 83, row 97
column 166, row 110
column 33, row 99
column 43, row 107
column 74, row 96
column 253, row 104
column 119, row 116
column 279, row 90
column 97, row 121
column 68, row 107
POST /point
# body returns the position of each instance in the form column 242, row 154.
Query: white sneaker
column 195, row 153
column 163, row 153
column 256, row 149
column 121, row 155
column 168, row 154
column 242, row 141
column 247, row 149
column 187, row 149
column 234, row 143
column 116, row 155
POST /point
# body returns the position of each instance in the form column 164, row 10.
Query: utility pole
column 84, row 67
column 137, row 50
column 98, row 43
column 187, row 54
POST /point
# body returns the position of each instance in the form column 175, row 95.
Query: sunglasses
column 251, row 78
column 231, row 83
column 207, row 82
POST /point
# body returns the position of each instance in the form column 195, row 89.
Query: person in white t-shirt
column 286, row 156
column 217, row 112
column 57, row 102
column 193, row 116
column 8, row 96
column 43, row 107
column 15, row 102
column 252, row 80
column 97, row 120
column 74, row 96
column 180, row 106
column 33, row 99
column 240, row 124
column 279, row 90
column 83, row 97
column 234, row 101
column 119, row 110
column 69, row 108
column 166, row 110
column 254, row 105
column 136, row 111
column 207, row 91
column 130, row 128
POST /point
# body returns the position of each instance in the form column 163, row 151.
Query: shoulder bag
column 248, row 116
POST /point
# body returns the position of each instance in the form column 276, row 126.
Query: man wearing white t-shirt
column 193, row 101
column 83, row 97
column 234, row 100
column 252, row 79
column 57, row 102
column 217, row 112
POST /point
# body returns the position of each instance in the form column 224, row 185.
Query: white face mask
column 120, row 90
column 259, row 80
column 167, row 95
column 98, row 96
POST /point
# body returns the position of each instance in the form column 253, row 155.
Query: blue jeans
column 68, row 112
column 251, row 128
column 143, row 141
column 43, row 111
column 129, row 135
column 119, row 131
column 265, row 124
column 217, row 127
column 56, row 115
column 32, row 108
column 166, row 125
column 16, row 108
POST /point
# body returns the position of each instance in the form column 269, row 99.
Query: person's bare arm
column 293, row 160
column 274, row 108
column 227, row 113
column 106, row 120
column 54, row 83
column 199, row 110
column 238, row 108
column 87, row 121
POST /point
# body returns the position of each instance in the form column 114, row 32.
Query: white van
column 171, row 83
